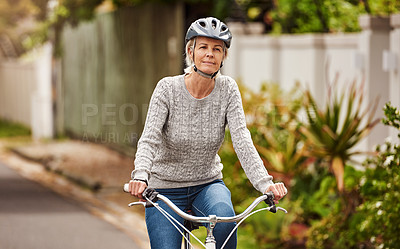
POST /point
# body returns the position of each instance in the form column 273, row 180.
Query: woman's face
column 208, row 54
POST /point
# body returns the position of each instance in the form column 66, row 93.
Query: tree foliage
column 312, row 16
column 11, row 12
column 17, row 21
column 315, row 16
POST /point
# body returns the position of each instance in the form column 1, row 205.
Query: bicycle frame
column 152, row 197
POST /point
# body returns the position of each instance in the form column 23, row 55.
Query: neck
column 199, row 86
column 206, row 75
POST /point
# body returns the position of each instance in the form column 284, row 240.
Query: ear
column 190, row 52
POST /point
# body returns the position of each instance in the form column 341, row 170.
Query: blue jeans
column 204, row 200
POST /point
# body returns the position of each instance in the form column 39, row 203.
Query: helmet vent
column 224, row 28
column 203, row 24
column 214, row 24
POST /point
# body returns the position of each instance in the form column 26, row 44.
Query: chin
column 208, row 70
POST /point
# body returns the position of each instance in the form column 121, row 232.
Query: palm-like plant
column 332, row 133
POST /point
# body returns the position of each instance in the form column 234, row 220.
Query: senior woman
column 184, row 129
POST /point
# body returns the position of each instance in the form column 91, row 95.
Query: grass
column 11, row 129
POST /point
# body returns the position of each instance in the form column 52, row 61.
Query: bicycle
column 193, row 222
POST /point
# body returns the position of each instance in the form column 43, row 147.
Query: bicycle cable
column 240, row 222
column 172, row 220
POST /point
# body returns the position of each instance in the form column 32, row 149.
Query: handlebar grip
column 148, row 193
column 126, row 187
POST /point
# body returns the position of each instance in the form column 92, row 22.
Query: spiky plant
column 333, row 131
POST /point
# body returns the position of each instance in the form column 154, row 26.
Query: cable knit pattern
column 182, row 136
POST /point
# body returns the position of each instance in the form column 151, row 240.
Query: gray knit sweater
column 182, row 136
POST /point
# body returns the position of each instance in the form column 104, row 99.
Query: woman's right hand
column 136, row 188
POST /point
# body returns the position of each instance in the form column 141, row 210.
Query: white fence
column 16, row 87
column 315, row 59
column 393, row 62
column 26, row 92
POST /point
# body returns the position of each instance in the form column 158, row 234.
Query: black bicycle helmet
column 209, row 27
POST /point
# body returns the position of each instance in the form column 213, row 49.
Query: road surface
column 34, row 217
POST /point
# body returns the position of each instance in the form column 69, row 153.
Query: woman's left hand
column 279, row 191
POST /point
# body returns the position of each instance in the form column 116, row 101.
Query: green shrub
column 327, row 218
column 331, row 229
column 369, row 216
column 11, row 129
column 380, row 189
column 272, row 120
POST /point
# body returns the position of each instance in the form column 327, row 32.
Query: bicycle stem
column 210, row 239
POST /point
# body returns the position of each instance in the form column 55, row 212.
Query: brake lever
column 282, row 209
column 143, row 203
column 270, row 201
column 151, row 195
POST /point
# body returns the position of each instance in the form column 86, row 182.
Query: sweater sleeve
column 152, row 132
column 243, row 143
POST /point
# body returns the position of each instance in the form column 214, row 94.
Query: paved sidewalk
column 91, row 165
column 90, row 173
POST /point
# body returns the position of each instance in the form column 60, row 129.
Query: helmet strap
column 206, row 75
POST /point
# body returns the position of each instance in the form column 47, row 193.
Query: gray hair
column 189, row 61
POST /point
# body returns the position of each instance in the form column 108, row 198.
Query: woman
column 184, row 129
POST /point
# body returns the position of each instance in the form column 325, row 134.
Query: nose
column 209, row 53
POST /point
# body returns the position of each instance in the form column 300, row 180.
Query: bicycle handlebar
column 152, row 196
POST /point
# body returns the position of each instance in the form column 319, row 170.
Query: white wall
column 26, row 91
column 42, row 120
column 314, row 60
column 17, row 82
column 309, row 59
column 394, row 64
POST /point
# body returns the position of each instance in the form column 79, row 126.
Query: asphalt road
column 33, row 217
